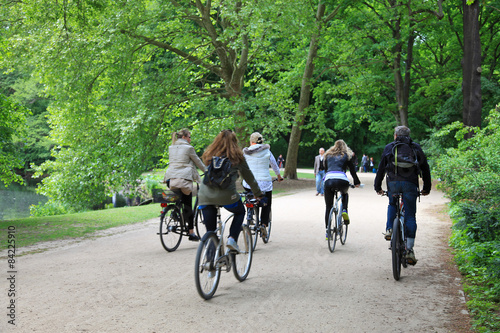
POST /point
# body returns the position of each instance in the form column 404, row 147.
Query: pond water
column 15, row 201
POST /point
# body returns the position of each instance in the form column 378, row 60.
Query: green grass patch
column 305, row 175
column 29, row 231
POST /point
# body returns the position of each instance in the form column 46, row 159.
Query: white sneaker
column 231, row 244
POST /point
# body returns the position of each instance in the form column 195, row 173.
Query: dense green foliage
column 470, row 176
column 12, row 119
column 119, row 77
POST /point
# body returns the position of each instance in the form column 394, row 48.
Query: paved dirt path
column 126, row 282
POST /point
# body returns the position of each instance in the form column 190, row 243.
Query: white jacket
column 258, row 159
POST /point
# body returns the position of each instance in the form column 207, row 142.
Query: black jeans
column 210, row 217
column 187, row 201
column 265, row 211
column 332, row 185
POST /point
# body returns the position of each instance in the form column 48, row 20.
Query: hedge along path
column 126, row 281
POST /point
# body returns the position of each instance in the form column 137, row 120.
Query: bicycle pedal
column 411, row 262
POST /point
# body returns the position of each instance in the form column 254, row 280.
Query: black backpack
column 218, row 172
column 404, row 158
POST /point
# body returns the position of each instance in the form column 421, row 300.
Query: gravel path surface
column 123, row 281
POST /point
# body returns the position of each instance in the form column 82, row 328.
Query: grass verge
column 29, row 231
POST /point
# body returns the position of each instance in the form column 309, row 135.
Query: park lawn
column 29, row 231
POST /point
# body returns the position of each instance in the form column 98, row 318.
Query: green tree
column 12, row 120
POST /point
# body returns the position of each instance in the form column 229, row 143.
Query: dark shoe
column 263, row 231
column 388, row 234
column 194, row 238
column 410, row 257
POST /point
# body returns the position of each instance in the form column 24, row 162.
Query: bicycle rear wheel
column 170, row 228
column 331, row 230
column 396, row 249
column 254, row 226
column 243, row 260
column 206, row 275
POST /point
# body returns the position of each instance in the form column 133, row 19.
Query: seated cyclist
column 406, row 182
column 337, row 159
column 259, row 159
column 182, row 172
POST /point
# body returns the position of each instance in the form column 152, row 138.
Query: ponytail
column 180, row 134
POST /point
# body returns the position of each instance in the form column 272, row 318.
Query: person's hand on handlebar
column 381, row 192
column 424, row 193
column 280, row 179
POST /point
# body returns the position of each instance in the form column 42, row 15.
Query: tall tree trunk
column 471, row 66
column 305, row 95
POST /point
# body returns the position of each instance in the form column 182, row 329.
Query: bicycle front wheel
column 331, row 230
column 243, row 260
column 396, row 249
column 170, row 228
column 206, row 274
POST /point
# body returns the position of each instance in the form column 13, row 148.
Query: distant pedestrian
column 319, row 171
column 364, row 163
column 281, row 161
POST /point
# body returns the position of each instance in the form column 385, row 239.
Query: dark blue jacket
column 385, row 166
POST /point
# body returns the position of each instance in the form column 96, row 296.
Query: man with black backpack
column 403, row 161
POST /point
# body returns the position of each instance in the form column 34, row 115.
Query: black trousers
column 187, row 201
column 265, row 211
column 332, row 185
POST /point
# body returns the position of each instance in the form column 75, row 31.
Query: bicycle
column 253, row 219
column 398, row 239
column 336, row 227
column 172, row 223
column 213, row 255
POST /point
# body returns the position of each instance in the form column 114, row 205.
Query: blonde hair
column 224, row 144
column 180, row 134
column 339, row 148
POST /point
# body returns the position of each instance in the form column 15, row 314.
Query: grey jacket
column 183, row 162
column 209, row 195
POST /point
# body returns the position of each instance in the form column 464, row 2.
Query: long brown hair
column 339, row 148
column 224, row 144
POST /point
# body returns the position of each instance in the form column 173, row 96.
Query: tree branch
column 195, row 60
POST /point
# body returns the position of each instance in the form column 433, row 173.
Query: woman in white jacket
column 182, row 172
column 259, row 158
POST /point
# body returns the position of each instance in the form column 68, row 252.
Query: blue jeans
column 319, row 182
column 210, row 217
column 410, row 194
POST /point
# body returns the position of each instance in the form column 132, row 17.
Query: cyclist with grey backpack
column 403, row 161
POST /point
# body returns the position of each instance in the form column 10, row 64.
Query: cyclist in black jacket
column 338, row 159
column 403, row 181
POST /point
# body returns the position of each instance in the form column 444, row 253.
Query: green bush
column 50, row 208
column 470, row 175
